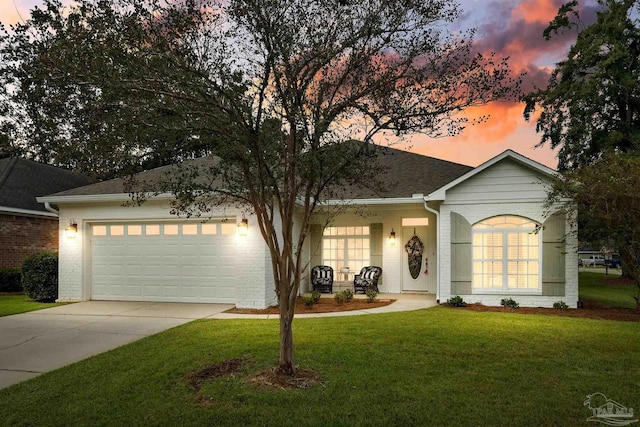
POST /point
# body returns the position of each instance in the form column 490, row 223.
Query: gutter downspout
column 437, row 214
column 48, row 207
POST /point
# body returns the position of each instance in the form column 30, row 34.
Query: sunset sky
column 510, row 28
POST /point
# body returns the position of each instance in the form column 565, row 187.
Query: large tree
column 591, row 107
column 608, row 191
column 278, row 91
column 592, row 101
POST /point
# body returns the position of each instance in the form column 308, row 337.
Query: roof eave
column 417, row 198
column 26, row 212
column 82, row 198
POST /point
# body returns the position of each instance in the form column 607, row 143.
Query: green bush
column 10, row 278
column 348, row 294
column 371, row 295
column 560, row 305
column 316, row 296
column 457, row 301
column 309, row 301
column 509, row 302
column 340, row 298
column 40, row 276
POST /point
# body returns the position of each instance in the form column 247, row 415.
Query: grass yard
column 593, row 288
column 438, row 366
column 15, row 304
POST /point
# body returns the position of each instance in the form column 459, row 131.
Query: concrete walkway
column 41, row 341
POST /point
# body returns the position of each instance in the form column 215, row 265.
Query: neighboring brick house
column 26, row 226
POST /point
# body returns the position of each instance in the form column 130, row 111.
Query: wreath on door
column 415, row 249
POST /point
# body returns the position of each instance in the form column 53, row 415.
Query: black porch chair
column 367, row 279
column 322, row 278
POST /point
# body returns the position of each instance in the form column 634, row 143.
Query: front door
column 421, row 282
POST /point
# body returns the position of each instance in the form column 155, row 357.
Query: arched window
column 506, row 255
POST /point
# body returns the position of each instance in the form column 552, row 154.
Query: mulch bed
column 271, row 379
column 590, row 310
column 225, row 368
column 325, row 305
column 267, row 378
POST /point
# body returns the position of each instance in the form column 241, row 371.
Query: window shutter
column 375, row 244
column 315, row 245
column 460, row 255
column 553, row 255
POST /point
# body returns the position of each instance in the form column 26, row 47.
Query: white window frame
column 505, row 258
column 336, row 233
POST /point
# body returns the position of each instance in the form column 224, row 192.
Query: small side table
column 348, row 276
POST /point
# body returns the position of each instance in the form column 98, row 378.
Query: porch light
column 392, row 237
column 71, row 230
column 243, row 227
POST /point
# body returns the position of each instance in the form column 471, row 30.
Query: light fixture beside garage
column 71, row 230
column 392, row 237
column 243, row 227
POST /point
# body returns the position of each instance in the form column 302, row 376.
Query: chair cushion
column 323, row 274
column 369, row 274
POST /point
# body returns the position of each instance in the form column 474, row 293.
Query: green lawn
column 438, row 366
column 14, row 304
column 592, row 288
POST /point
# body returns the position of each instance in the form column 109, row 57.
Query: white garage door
column 172, row 262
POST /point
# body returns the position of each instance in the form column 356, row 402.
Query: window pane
column 117, row 230
column 134, row 230
column 152, row 230
column 170, row 229
column 228, row 228
column 208, row 229
column 413, row 222
column 189, row 229
column 99, row 230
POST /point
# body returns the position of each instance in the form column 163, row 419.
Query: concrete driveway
column 41, row 341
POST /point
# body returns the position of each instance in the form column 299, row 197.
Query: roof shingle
column 407, row 174
column 22, row 180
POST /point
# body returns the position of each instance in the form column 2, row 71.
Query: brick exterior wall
column 21, row 236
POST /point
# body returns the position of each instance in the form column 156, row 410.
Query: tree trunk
column 286, row 364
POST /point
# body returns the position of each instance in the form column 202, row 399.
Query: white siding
column 506, row 181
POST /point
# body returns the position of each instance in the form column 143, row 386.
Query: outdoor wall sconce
column 243, row 227
column 71, row 230
column 392, row 237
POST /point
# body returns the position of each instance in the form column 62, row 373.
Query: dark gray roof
column 410, row 173
column 21, row 181
column 407, row 174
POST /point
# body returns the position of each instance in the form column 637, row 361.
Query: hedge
column 40, row 276
column 10, row 279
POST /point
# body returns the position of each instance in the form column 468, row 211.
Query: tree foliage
column 607, row 192
column 592, row 101
column 68, row 85
column 278, row 91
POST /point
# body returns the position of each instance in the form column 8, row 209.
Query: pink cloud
column 514, row 32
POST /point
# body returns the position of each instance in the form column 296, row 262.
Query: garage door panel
column 172, row 268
